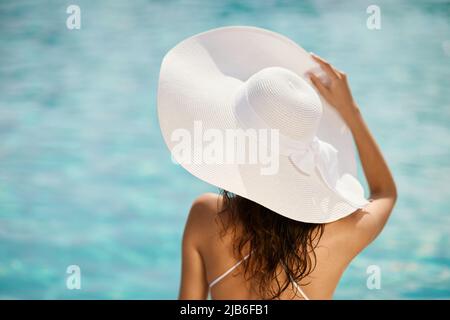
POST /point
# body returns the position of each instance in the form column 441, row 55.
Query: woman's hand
column 337, row 93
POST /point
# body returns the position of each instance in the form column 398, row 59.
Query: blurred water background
column 86, row 179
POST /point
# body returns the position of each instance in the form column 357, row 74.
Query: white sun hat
column 238, row 79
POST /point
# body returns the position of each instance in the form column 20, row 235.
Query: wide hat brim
column 198, row 81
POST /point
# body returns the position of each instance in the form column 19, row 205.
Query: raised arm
column 366, row 223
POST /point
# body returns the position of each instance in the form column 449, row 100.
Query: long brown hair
column 273, row 240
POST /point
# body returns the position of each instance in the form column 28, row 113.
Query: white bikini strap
column 297, row 287
column 295, row 284
column 228, row 272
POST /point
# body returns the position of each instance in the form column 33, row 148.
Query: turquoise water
column 85, row 178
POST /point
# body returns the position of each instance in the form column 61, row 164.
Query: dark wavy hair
column 275, row 242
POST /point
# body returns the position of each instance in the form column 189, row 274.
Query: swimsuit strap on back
column 299, row 290
column 227, row 272
column 296, row 286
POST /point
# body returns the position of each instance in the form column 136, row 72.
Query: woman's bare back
column 216, row 251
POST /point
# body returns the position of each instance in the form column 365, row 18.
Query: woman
column 235, row 248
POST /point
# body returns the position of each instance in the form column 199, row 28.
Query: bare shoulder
column 206, row 201
column 202, row 216
column 205, row 207
column 361, row 227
